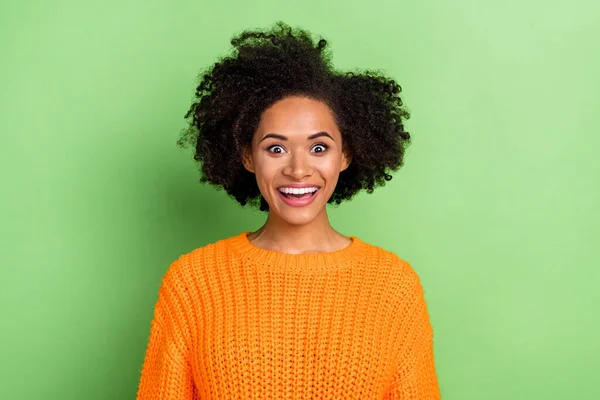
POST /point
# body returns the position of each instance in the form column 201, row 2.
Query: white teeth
column 298, row 190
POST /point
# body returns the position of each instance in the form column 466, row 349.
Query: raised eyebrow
column 311, row 137
column 320, row 134
column 274, row 136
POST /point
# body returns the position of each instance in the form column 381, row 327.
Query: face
column 297, row 157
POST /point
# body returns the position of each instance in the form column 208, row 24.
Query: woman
column 295, row 309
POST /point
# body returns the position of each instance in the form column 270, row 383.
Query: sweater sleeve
column 166, row 372
column 415, row 378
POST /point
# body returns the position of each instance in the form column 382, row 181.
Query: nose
column 298, row 166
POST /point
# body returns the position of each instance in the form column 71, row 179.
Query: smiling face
column 297, row 157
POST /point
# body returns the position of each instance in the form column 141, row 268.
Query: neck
column 314, row 237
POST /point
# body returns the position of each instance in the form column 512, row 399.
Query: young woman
column 294, row 310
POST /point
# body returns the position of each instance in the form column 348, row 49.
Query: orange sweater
column 234, row 321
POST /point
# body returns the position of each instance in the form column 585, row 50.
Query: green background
column 496, row 207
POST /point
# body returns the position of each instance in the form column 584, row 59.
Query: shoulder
column 384, row 256
column 400, row 284
column 399, row 270
column 196, row 262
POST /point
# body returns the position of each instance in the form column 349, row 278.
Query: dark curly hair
column 268, row 65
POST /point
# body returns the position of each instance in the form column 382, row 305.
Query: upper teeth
column 298, row 190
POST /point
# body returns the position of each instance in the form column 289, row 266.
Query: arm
column 166, row 372
column 415, row 378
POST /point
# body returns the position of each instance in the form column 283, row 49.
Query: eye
column 276, row 149
column 319, row 148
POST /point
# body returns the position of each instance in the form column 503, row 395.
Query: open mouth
column 298, row 193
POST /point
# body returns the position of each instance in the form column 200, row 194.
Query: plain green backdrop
column 496, row 207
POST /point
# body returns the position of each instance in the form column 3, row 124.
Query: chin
column 297, row 217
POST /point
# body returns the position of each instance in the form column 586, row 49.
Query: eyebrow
column 311, row 137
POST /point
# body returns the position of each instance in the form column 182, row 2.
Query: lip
column 298, row 186
column 299, row 202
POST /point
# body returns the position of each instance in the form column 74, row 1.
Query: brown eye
column 319, row 148
column 276, row 149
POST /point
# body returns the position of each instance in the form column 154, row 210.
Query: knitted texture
column 235, row 321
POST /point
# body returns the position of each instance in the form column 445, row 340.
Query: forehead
column 297, row 116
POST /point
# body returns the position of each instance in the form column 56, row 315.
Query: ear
column 346, row 159
column 247, row 159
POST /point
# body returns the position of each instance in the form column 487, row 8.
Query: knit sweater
column 235, row 321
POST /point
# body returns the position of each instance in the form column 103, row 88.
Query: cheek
column 329, row 166
column 266, row 169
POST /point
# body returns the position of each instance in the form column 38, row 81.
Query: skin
column 293, row 157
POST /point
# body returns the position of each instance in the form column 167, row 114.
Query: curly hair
column 268, row 65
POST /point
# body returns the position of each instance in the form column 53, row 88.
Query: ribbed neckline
column 275, row 260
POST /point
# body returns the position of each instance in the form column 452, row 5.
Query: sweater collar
column 314, row 262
